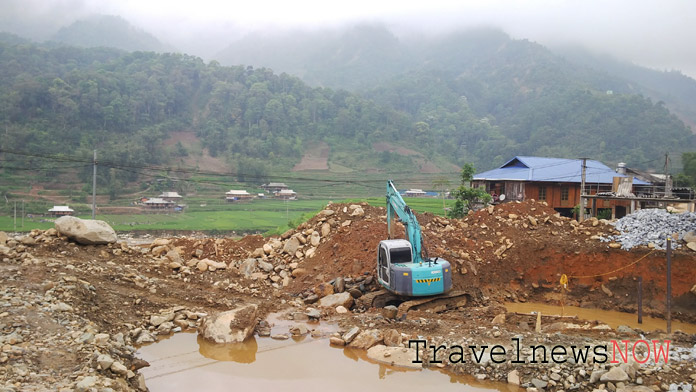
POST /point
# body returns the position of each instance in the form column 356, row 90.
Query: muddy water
column 187, row 363
column 611, row 318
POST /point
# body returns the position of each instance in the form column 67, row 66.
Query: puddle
column 186, row 362
column 611, row 318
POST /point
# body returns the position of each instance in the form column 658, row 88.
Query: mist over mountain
column 108, row 31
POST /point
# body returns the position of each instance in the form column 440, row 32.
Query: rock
column 341, row 309
column 539, row 384
column 27, row 240
column 312, row 298
column 625, row 329
column 499, row 319
column 315, row 239
column 336, row 341
column 367, row 339
column 291, row 246
column 693, row 290
column 691, row 245
column 390, row 312
column 325, row 229
column 512, row 216
column 341, row 299
column 144, row 337
column 394, row 356
column 634, row 388
column 300, row 316
column 313, row 314
column 119, row 368
column 532, row 220
column 3, row 238
column 233, row 326
column 357, row 211
column 351, row 334
column 299, row 272
column 614, row 245
column 267, row 249
column 248, row 267
column 596, row 375
column 327, row 212
column 258, row 253
column 606, row 291
column 86, row 384
column 61, row 307
column 101, row 339
column 513, row 378
column 356, row 293
column 202, row 265
column 298, row 330
column 392, row 338
column 689, row 236
column 615, row 374
column 281, row 336
column 264, row 265
column 86, row 231
column 174, row 257
column 104, row 361
column 339, row 285
column 157, row 319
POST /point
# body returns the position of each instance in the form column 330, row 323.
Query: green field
column 263, row 216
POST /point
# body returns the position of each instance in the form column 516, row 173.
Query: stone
column 606, row 291
column 394, row 356
column 332, row 301
column 499, row 319
column 202, row 265
column 614, row 245
column 267, row 249
column 512, row 216
column 392, row 338
column 313, row 314
column 596, row 375
column 615, row 374
column 390, row 312
column 248, row 267
column 539, row 384
column 635, row 388
column 232, row 326
column 367, row 339
column 104, row 361
column 86, row 231
column 327, row 212
column 101, row 339
column 86, row 384
column 625, row 330
column 513, row 378
column 691, row 245
column 264, row 265
column 351, row 334
column 300, row 316
column 356, row 293
column 144, row 337
column 3, row 238
column 357, row 211
column 339, row 285
column 291, row 246
column 325, row 229
column 119, row 368
column 258, row 253
column 315, row 239
column 174, row 257
column 689, row 236
column 693, row 290
column 336, row 341
column 532, row 220
column 27, row 240
column 341, row 309
column 157, row 319
column 298, row 330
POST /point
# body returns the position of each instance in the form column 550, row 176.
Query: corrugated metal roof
column 522, row 168
column 61, row 209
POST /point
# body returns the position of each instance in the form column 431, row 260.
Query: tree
column 689, row 164
column 467, row 196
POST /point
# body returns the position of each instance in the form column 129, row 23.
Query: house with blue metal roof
column 554, row 180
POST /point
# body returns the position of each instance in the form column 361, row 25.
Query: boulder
column 267, row 249
column 394, row 356
column 692, row 246
column 513, row 378
column 291, row 246
column 615, row 374
column 392, row 338
column 232, row 326
column 315, row 238
column 325, row 229
column 248, row 267
column 86, row 231
column 332, row 301
column 367, row 339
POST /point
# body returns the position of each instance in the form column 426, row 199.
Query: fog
column 646, row 32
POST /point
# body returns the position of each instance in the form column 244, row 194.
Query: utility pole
column 668, row 184
column 582, row 191
column 94, row 185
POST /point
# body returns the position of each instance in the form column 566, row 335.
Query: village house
column 285, row 194
column 157, row 203
column 273, row 187
column 61, row 211
column 238, row 195
column 557, row 181
column 415, row 193
column 171, row 196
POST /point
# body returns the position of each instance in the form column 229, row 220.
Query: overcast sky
column 655, row 33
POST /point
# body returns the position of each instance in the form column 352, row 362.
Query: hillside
column 491, row 99
column 108, row 31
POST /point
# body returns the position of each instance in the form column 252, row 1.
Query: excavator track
column 437, row 303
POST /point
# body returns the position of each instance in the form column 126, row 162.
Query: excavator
column 410, row 279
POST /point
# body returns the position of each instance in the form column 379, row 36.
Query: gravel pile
column 652, row 226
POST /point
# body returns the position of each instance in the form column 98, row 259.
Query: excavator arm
column 397, row 206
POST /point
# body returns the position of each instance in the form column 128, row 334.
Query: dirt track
column 59, row 297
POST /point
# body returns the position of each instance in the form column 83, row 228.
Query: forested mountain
column 108, row 31
column 487, row 101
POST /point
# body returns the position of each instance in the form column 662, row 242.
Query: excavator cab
column 399, row 273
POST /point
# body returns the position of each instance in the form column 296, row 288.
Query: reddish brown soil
column 316, row 158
